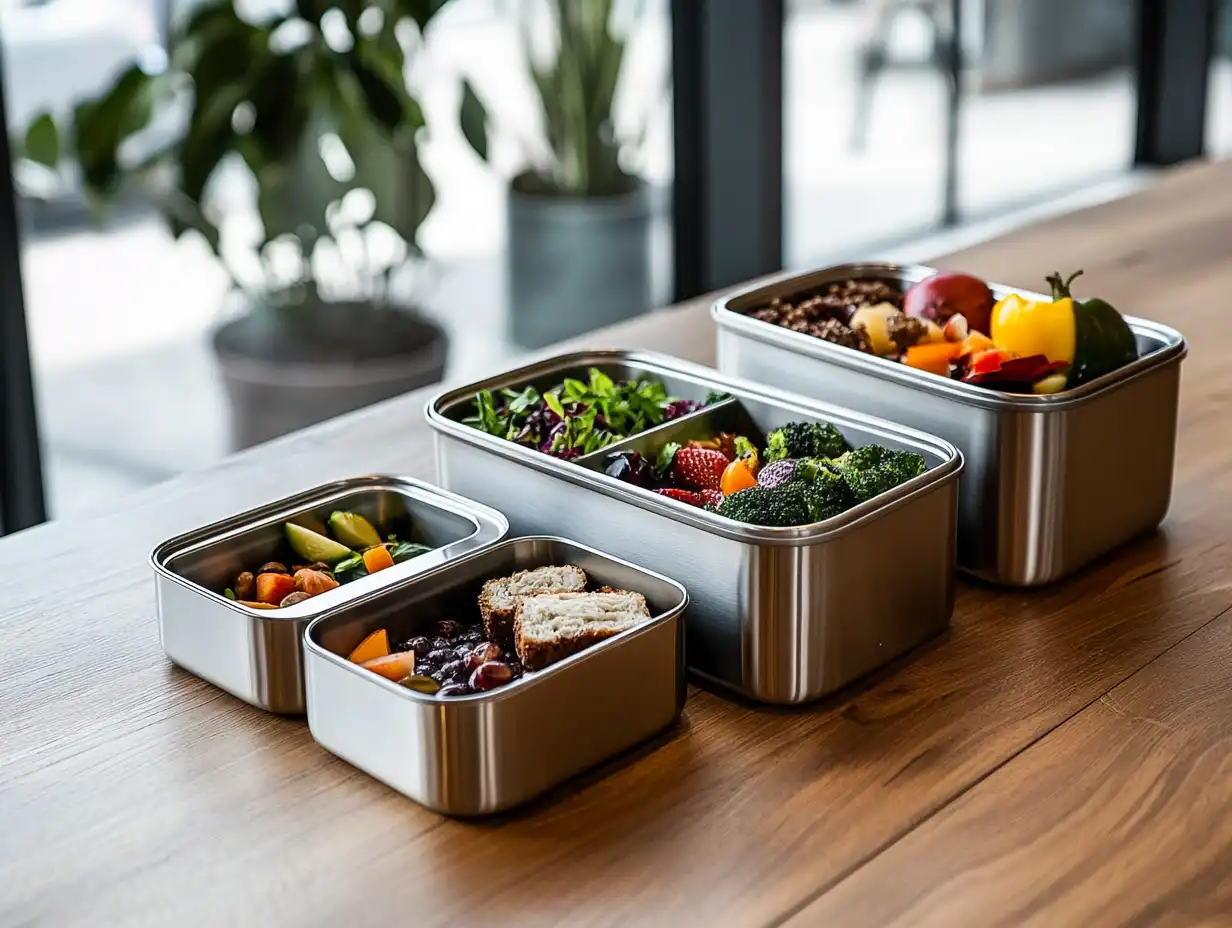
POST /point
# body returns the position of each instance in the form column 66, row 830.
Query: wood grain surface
column 130, row 792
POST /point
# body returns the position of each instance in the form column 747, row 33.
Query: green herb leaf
column 229, row 593
column 600, row 383
column 552, row 398
column 574, row 390
column 666, row 457
column 715, row 396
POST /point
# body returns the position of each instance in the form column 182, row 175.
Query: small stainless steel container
column 1051, row 482
column 781, row 615
column 478, row 754
column 257, row 655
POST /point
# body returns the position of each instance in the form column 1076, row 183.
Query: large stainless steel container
column 1051, row 482
column 256, row 655
column 477, row 754
column 781, row 615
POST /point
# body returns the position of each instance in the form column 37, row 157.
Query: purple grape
column 491, row 675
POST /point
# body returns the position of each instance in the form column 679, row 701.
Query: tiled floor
column 119, row 319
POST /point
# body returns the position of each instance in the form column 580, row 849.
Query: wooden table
column 1062, row 756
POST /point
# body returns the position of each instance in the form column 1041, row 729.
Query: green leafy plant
column 314, row 101
column 581, row 150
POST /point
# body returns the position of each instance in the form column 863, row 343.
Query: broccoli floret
column 872, row 470
column 805, row 440
column 776, row 507
column 827, row 495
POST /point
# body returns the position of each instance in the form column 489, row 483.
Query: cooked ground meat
column 835, row 302
column 905, row 332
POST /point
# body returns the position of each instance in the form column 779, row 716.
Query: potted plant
column 315, row 103
column 578, row 220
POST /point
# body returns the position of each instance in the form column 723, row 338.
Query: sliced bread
column 498, row 600
column 549, row 627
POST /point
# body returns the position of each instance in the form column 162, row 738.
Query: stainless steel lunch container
column 478, row 754
column 1051, row 482
column 781, row 615
column 256, row 655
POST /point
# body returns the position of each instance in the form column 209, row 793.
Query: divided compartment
column 780, row 615
column 754, row 420
column 477, row 754
column 256, row 654
column 679, row 385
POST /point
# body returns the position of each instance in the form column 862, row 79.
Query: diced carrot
column 377, row 558
column 374, row 646
column 934, row 357
column 274, row 588
column 251, row 605
column 976, row 342
column 392, row 666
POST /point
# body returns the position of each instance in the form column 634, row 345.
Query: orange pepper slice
column 378, row 558
column 934, row 358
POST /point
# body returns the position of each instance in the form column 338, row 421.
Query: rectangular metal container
column 781, row 615
column 478, row 754
column 1051, row 482
column 257, row 655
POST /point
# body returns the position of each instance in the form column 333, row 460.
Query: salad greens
column 575, row 417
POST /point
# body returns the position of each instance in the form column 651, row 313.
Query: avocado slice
column 313, row 547
column 353, row 530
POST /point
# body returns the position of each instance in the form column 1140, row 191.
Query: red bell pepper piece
column 1025, row 371
column 990, row 361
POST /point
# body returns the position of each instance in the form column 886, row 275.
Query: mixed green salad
column 574, row 417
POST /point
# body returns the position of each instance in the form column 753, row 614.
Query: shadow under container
column 257, row 654
column 779, row 615
column 1051, row 482
column 487, row 752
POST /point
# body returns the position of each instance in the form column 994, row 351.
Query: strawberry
column 713, row 497
column 699, row 467
column 681, row 496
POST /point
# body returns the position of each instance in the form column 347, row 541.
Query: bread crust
column 535, row 655
column 498, row 623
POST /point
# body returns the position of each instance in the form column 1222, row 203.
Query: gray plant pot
column 575, row 264
column 287, row 370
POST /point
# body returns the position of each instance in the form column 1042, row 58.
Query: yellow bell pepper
column 1028, row 327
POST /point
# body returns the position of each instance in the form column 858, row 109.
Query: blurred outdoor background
column 121, row 314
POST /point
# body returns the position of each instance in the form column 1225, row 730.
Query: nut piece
column 273, row 567
column 292, row 598
column 314, row 582
column 245, row 586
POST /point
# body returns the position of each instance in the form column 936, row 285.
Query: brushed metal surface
column 256, row 655
column 780, row 615
column 1051, row 482
column 479, row 754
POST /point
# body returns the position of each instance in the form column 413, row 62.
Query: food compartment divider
column 482, row 753
column 780, row 615
column 1046, row 489
column 693, row 425
column 256, row 655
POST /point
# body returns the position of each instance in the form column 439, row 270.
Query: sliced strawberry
column 713, row 497
column 700, row 467
column 681, row 496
